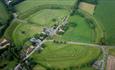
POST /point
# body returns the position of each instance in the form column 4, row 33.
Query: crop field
column 78, row 31
column 104, row 14
column 87, row 7
column 112, row 51
column 65, row 55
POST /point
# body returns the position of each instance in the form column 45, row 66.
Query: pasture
column 47, row 17
column 4, row 16
column 112, row 51
column 32, row 6
column 34, row 15
column 10, row 29
column 78, row 31
column 60, row 56
column 104, row 14
column 35, row 24
column 23, row 32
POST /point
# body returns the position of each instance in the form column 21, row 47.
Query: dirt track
column 111, row 63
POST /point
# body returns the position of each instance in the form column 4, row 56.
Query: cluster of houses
column 8, row 2
column 4, row 43
column 37, row 42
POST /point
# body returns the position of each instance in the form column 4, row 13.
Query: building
column 8, row 2
column 4, row 43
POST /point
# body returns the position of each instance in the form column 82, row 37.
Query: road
column 63, row 22
column 36, row 48
column 102, row 47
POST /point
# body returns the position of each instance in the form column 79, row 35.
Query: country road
column 63, row 22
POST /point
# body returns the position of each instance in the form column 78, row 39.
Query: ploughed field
column 36, row 23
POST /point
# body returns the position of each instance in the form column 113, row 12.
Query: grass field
column 65, row 55
column 9, row 64
column 4, row 16
column 10, row 29
column 79, row 30
column 38, row 21
column 112, row 51
column 45, row 17
column 25, row 31
column 83, row 68
column 30, row 4
column 104, row 14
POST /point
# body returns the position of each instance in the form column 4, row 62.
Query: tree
column 54, row 20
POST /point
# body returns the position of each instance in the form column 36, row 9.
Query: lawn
column 45, row 17
column 65, row 55
column 78, row 31
column 104, row 13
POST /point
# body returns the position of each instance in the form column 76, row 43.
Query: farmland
column 29, row 6
column 46, row 16
column 78, row 30
column 104, row 14
column 4, row 16
column 35, row 24
column 33, row 16
column 57, row 34
column 66, row 55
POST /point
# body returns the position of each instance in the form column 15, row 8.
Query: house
column 8, row 2
column 30, row 49
column 4, row 43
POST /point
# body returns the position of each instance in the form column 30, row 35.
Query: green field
column 45, row 17
column 9, row 64
column 10, row 29
column 34, row 15
column 21, row 31
column 32, row 4
column 78, row 31
column 65, row 55
column 4, row 16
column 112, row 51
column 29, row 7
column 104, row 14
